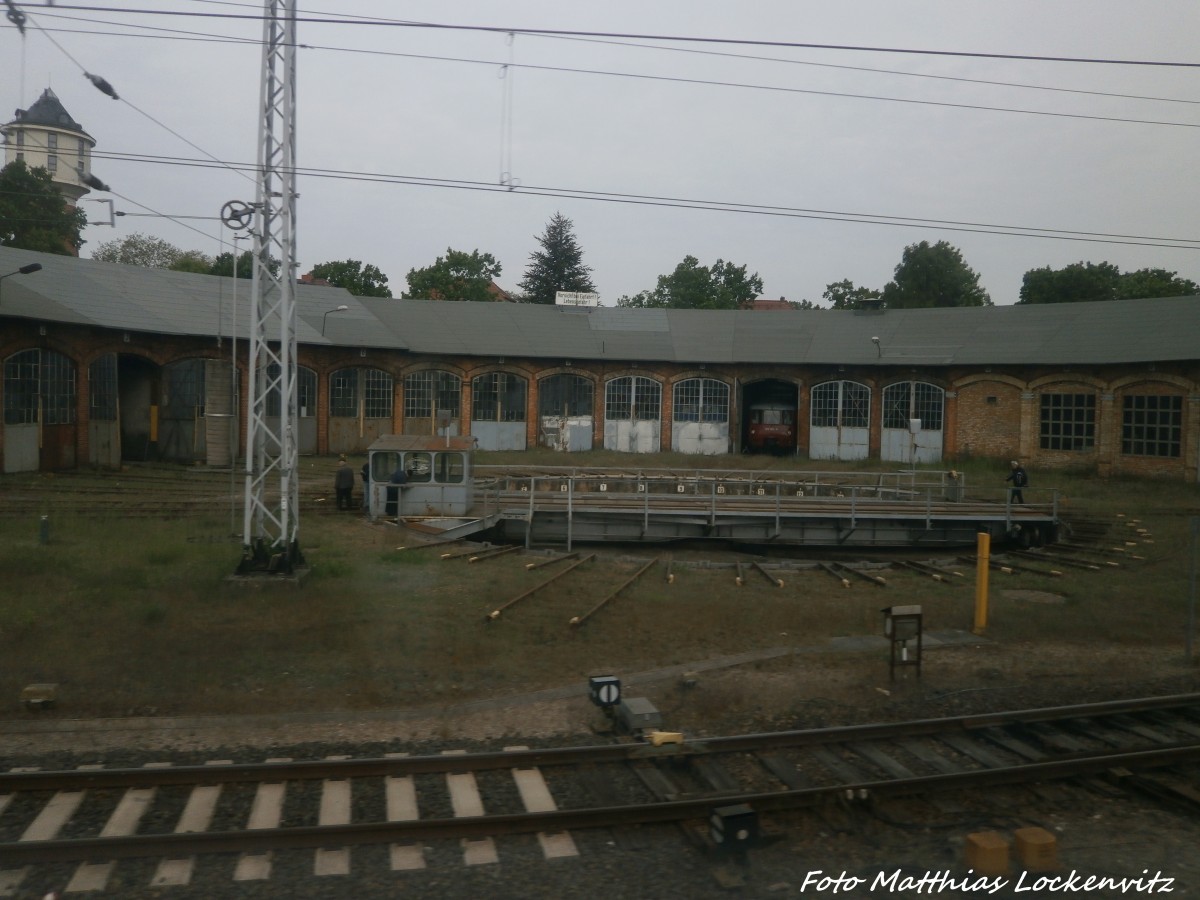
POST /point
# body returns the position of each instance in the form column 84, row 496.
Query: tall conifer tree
column 558, row 266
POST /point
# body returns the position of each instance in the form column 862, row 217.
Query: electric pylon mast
column 272, row 508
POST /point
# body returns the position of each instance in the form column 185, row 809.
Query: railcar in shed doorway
column 769, row 421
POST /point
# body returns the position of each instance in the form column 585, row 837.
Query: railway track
column 167, row 492
column 176, row 819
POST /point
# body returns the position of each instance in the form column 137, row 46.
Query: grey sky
column 384, row 105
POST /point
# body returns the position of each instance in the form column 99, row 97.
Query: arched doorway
column 839, row 421
column 566, row 418
column 769, row 416
column 700, row 416
column 912, row 422
column 633, row 414
column 39, row 411
column 498, row 411
column 432, row 403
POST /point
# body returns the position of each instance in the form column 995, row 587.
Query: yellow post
column 982, row 555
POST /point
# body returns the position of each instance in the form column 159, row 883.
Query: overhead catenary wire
column 103, row 86
column 976, row 107
column 679, row 38
column 162, row 33
column 675, row 202
column 701, row 204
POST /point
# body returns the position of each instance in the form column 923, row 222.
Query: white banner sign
column 574, row 298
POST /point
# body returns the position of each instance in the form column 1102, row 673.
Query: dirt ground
column 778, row 689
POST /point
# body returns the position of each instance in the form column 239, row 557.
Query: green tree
column 351, row 274
column 139, row 250
column 34, row 215
column 558, row 266
column 845, row 294
column 223, row 264
column 934, row 275
column 456, row 276
column 1154, row 283
column 1085, row 281
column 1078, row 282
column 193, row 261
column 693, row 286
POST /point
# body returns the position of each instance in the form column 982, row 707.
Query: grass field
column 138, row 615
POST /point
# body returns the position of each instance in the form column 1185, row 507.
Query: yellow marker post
column 983, row 549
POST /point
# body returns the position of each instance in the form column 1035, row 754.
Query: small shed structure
column 438, row 470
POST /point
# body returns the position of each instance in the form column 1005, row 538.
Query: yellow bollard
column 982, row 555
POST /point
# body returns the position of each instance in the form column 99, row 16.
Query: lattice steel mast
column 272, row 509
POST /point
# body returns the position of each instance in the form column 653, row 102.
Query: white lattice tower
column 272, row 510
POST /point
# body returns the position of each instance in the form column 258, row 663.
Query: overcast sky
column 810, row 137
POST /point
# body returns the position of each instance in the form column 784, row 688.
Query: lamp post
column 26, row 270
column 325, row 317
column 878, row 349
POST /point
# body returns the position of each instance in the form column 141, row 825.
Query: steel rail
column 308, row 770
column 180, row 844
column 753, row 504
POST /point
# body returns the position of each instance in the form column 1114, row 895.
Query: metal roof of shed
column 158, row 301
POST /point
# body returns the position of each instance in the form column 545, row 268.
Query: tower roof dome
column 47, row 111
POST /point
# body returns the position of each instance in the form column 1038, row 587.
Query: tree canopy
column 693, row 286
column 34, row 215
column 155, row 253
column 456, row 276
column 845, row 294
column 558, row 266
column 1085, row 281
column 351, row 274
column 934, row 275
column 144, row 250
column 223, row 264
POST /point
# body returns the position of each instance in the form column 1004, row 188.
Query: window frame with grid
column 343, row 393
column 840, row 404
column 431, row 390
column 576, row 392
column 379, row 394
column 700, row 400
column 498, row 397
column 633, row 398
column 39, row 386
column 102, row 389
column 1067, row 422
column 306, row 392
column 183, row 389
column 1152, row 425
column 58, row 389
column 906, row 400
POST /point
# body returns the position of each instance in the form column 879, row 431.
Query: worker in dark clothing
column 343, row 485
column 366, row 477
column 395, row 486
column 1020, row 479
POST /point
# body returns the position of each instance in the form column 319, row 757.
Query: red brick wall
column 989, row 419
column 988, row 414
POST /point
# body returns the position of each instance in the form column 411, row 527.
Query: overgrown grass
column 133, row 616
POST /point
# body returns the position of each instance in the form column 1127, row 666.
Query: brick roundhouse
column 105, row 363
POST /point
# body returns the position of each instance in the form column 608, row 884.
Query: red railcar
column 772, row 428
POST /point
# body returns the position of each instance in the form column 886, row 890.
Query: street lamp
column 325, row 317
column 878, row 349
column 24, row 270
